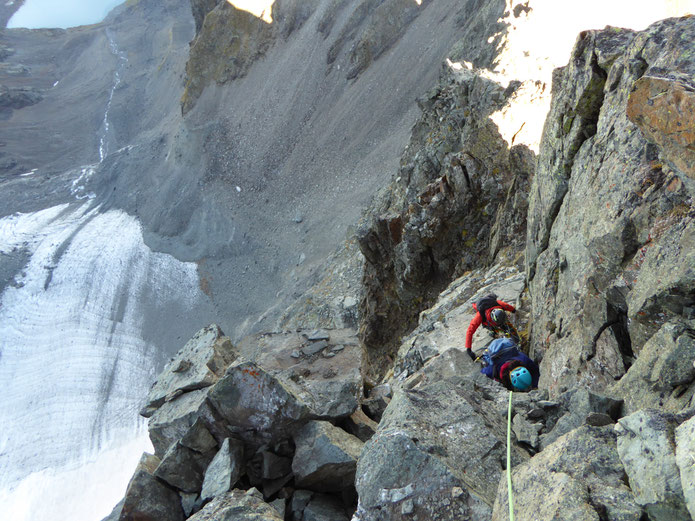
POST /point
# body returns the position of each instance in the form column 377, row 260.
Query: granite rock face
column 663, row 108
column 578, row 478
column 610, row 224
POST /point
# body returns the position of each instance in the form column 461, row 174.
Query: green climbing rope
column 509, row 459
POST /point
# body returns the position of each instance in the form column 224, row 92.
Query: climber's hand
column 471, row 354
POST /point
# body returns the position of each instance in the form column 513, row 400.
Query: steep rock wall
column 609, row 248
column 459, row 187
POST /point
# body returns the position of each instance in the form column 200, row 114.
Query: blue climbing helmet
column 521, row 379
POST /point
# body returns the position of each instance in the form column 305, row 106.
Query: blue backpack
column 498, row 348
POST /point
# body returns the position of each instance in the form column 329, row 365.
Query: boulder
column 646, row 444
column 238, row 505
column 147, row 498
column 199, row 439
column 685, row 459
column 577, row 478
column 438, row 454
column 267, row 394
column 200, row 363
column 258, row 406
column 182, row 468
column 326, row 457
column 224, row 470
column 173, row 421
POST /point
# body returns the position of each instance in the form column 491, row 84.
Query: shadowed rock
column 182, row 468
column 326, row 457
column 147, row 498
column 180, row 419
column 224, row 470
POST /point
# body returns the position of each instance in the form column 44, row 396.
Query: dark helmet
column 498, row 316
column 521, row 379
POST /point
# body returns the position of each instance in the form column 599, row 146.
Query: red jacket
column 478, row 320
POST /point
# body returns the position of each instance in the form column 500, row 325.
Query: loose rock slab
column 326, row 457
column 199, row 364
column 224, row 470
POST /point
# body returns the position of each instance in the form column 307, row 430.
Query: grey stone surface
column 526, row 431
column 582, row 404
column 238, row 505
column 198, row 438
column 182, row 468
column 662, row 376
column 224, row 470
column 326, row 457
column 329, row 387
column 432, row 439
column 647, row 447
column 610, row 240
column 274, row 466
column 577, row 478
column 257, row 406
column 174, row 419
column 199, row 364
column 685, row 459
column 147, row 498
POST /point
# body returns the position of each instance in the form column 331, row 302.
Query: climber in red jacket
column 491, row 315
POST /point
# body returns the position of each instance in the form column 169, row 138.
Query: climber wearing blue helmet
column 503, row 362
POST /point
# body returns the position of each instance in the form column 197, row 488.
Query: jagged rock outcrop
column 226, row 45
column 326, row 457
column 610, row 237
column 200, row 363
column 147, row 498
column 228, row 425
column 436, row 219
